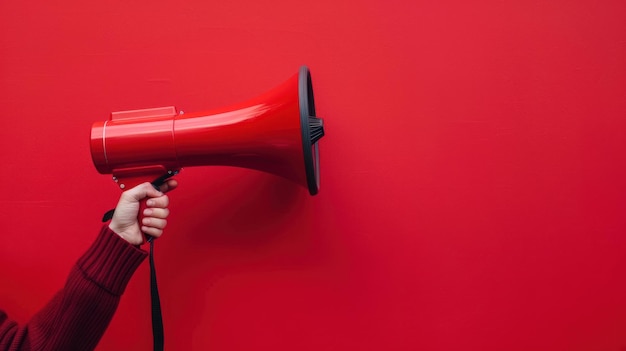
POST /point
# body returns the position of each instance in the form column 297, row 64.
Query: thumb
column 143, row 191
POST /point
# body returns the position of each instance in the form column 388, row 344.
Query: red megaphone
column 276, row 132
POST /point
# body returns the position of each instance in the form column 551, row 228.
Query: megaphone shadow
column 245, row 210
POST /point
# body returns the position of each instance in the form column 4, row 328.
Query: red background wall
column 472, row 174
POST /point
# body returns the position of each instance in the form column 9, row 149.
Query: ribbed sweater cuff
column 111, row 261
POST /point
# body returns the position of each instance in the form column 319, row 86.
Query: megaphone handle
column 142, row 205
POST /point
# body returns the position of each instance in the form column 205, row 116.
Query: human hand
column 125, row 219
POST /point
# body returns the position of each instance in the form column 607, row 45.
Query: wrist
column 121, row 233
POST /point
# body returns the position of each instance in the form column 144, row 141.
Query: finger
column 151, row 222
column 156, row 212
column 154, row 232
column 169, row 185
column 158, row 202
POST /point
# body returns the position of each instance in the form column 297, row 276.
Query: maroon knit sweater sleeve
column 78, row 315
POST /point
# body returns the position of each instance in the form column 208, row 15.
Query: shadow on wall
column 242, row 208
column 239, row 222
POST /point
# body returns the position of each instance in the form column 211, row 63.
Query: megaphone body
column 276, row 132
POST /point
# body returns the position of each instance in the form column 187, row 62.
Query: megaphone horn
column 277, row 132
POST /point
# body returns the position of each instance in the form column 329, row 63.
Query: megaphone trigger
column 162, row 179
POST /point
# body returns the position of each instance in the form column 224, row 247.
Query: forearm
column 78, row 315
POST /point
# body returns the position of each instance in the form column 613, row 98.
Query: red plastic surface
column 472, row 191
column 263, row 133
